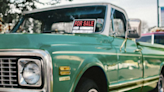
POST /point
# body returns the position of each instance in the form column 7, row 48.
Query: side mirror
column 134, row 30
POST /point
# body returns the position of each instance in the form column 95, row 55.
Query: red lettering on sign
column 84, row 23
column 88, row 23
column 78, row 23
column 92, row 23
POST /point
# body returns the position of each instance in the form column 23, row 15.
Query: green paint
column 81, row 52
column 125, row 70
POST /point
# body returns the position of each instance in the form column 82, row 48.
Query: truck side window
column 30, row 26
column 118, row 23
column 119, row 27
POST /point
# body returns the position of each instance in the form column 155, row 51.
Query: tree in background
column 4, row 9
column 11, row 9
column 144, row 26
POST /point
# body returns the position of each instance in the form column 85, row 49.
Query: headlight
column 29, row 72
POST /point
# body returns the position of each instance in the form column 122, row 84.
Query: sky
column 146, row 10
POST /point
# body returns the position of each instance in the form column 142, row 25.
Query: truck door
column 130, row 66
column 130, row 62
column 152, row 60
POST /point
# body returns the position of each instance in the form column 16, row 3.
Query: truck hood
column 37, row 41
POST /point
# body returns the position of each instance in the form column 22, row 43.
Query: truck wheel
column 161, row 83
column 87, row 85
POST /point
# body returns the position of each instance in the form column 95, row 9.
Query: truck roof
column 68, row 6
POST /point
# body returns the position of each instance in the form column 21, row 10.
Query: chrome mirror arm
column 124, row 43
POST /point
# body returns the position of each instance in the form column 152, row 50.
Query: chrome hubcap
column 92, row 90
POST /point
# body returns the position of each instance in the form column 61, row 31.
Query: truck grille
column 8, row 73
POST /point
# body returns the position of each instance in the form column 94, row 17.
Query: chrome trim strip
column 129, row 88
column 151, row 78
column 153, row 56
column 138, row 82
column 88, row 52
column 145, row 84
column 47, row 62
column 82, row 52
column 105, row 53
column 124, row 84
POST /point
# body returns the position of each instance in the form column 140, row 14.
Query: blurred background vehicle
column 156, row 36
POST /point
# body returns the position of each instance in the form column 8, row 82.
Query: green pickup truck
column 79, row 48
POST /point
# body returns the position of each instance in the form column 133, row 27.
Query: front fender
column 79, row 61
column 87, row 63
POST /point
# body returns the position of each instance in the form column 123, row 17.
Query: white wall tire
column 92, row 90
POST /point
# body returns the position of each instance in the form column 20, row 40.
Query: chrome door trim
column 135, row 83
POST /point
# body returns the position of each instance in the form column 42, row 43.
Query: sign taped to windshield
column 84, row 26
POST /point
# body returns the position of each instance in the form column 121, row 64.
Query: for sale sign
column 84, row 26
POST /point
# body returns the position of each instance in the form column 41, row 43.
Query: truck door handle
column 137, row 50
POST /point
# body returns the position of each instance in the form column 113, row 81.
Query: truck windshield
column 61, row 20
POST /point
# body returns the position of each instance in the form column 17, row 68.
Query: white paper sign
column 84, row 26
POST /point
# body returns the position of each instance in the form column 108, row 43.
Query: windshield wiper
column 56, row 31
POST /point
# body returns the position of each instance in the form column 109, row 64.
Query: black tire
column 87, row 85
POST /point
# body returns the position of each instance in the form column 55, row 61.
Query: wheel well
column 162, row 70
column 97, row 75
